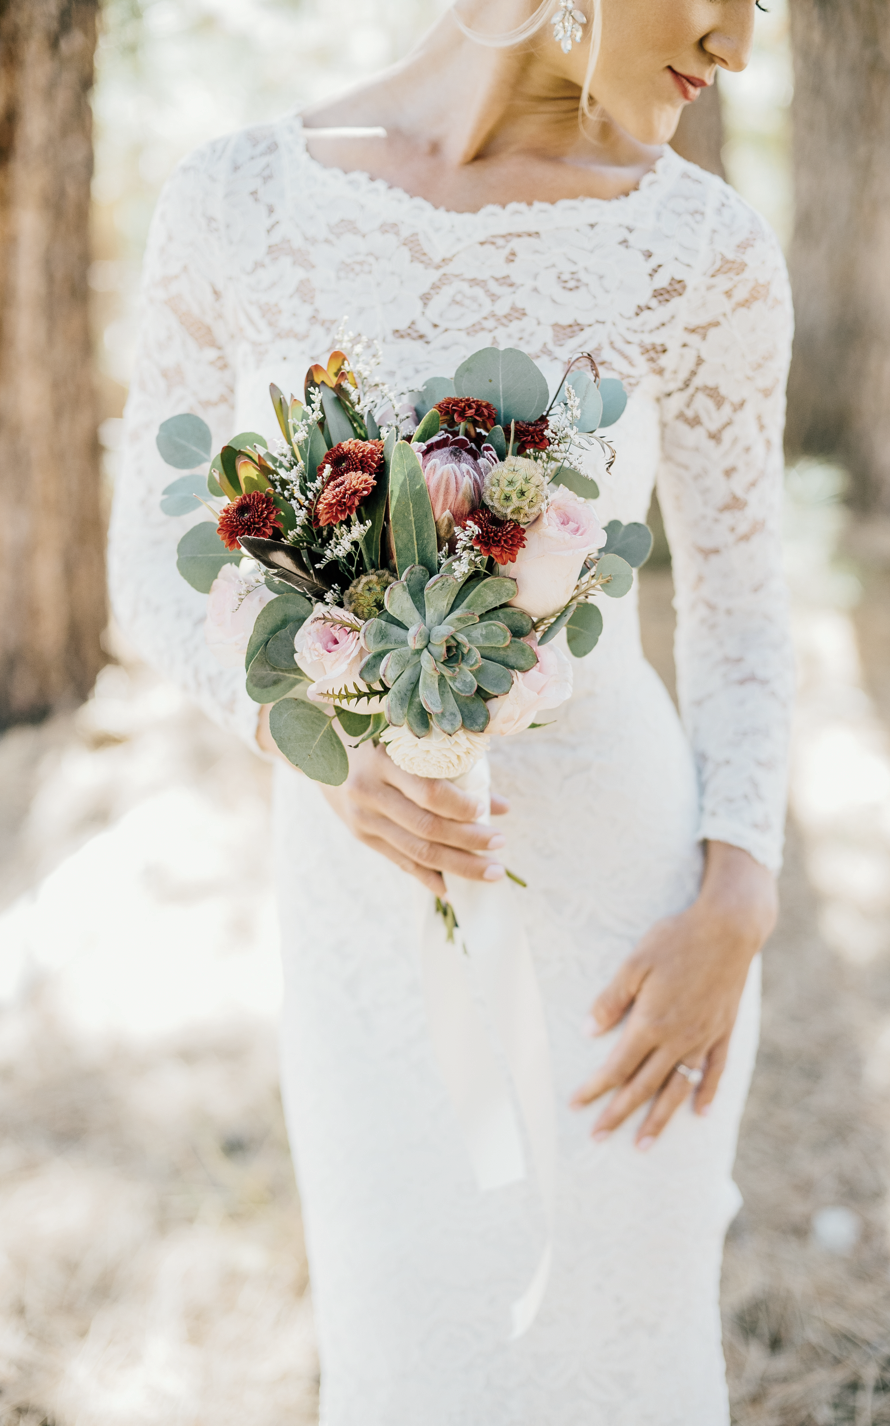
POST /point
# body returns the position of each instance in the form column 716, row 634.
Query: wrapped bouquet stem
column 405, row 564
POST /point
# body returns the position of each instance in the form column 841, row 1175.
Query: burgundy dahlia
column 252, row 514
column 501, row 539
column 531, row 436
column 354, row 468
column 467, row 410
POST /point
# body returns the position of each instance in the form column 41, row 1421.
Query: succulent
column 515, row 490
column 364, row 597
column 443, row 645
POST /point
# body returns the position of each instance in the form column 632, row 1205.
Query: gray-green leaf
column 632, row 542
column 508, row 379
column 411, row 514
column 573, row 480
column 618, row 574
column 184, row 441
column 266, row 684
column 278, row 614
column 308, row 739
column 614, row 401
column 584, row 629
column 181, row 497
column 201, row 554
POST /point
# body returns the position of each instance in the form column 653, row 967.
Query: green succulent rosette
column 443, row 646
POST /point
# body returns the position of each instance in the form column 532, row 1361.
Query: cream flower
column 330, row 653
column 546, row 685
column 546, row 570
column 236, row 597
column 438, row 754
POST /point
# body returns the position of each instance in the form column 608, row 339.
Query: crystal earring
column 567, row 24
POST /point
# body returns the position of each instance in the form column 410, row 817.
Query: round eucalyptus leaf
column 614, row 401
column 580, row 484
column 354, row 724
column 588, row 394
column 617, row 573
column 632, row 542
column 184, row 441
column 508, row 379
column 181, row 496
column 289, row 608
column 201, row 554
column 309, row 740
column 266, row 684
column 435, row 389
column 583, row 629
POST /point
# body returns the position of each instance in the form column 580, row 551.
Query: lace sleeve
column 720, row 488
column 182, row 365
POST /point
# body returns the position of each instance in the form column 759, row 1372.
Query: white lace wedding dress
column 256, row 254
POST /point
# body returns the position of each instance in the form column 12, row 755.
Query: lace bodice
column 257, row 253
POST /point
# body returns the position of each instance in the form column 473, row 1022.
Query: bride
column 508, row 184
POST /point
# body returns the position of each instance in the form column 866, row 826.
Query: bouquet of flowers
column 402, row 563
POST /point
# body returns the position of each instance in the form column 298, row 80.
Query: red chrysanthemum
column 354, row 467
column 455, row 410
column 251, row 514
column 501, row 539
column 531, row 436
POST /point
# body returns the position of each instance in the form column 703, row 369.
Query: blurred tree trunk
column 699, row 135
column 52, row 588
column 839, row 392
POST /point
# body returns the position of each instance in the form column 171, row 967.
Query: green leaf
column 213, row 474
column 181, row 496
column 620, row 575
column 489, row 635
column 411, row 514
column 473, row 711
column 308, row 739
column 448, row 719
column 228, row 473
column 280, row 648
column 184, row 441
column 417, row 717
column 354, row 723
column 374, row 509
column 428, row 427
column 497, row 439
column 399, row 695
column 559, row 623
column 291, row 608
column 369, row 668
column 201, row 554
column 486, row 595
column 574, row 480
column 339, row 427
column 516, row 655
column 517, row 621
column 435, row 389
column 508, row 379
column 266, row 684
column 315, row 453
column 588, row 394
column 493, row 677
column 279, row 402
column 614, row 401
column 245, row 439
column 439, row 595
column 584, row 629
column 380, row 634
column 632, row 542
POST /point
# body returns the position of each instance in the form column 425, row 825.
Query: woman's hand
column 682, row 986
column 424, row 825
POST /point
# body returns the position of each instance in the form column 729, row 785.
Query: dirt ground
column 151, row 1263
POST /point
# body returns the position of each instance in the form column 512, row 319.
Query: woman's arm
column 720, row 490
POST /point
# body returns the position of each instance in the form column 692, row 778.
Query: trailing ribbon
column 491, row 934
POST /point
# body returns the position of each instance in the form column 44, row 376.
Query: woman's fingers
column 435, row 855
column 428, row 827
column 716, row 1063
column 499, row 805
column 432, row 880
column 614, row 1002
column 635, row 1091
column 632, row 1050
column 676, row 1089
column 435, row 794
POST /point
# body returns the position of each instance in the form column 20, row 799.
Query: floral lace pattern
column 257, row 253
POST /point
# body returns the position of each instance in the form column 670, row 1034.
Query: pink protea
column 455, row 472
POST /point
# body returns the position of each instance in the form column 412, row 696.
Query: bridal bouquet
column 402, row 564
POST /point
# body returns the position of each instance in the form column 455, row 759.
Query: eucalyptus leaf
column 184, row 441
column 558, row 624
column 411, row 514
column 508, row 379
column 290, row 608
column 614, row 401
column 280, row 652
column 266, row 684
column 201, row 554
column 353, row 723
column 497, row 439
column 583, row 629
column 632, row 542
column 618, row 574
column 339, row 427
column 575, row 481
column 181, row 497
column 308, row 739
column 429, row 427
column 435, row 389
column 589, row 397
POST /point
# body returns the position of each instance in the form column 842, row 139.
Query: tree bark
column 52, row 586
column 839, row 391
column 699, row 135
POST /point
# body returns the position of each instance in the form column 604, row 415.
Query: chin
column 658, row 126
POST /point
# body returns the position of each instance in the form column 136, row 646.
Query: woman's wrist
column 740, row 890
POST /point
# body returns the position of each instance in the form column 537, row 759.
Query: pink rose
column 546, row 685
column 236, row 597
column 455, row 472
column 330, row 653
column 546, row 570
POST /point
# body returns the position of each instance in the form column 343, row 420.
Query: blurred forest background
column 151, row 1266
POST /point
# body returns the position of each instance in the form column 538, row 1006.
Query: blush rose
column 546, row 685
column 547, row 569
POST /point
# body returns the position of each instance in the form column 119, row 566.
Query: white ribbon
column 491, row 934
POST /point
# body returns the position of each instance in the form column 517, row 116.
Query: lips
column 688, row 84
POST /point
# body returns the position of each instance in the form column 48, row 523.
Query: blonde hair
column 531, row 26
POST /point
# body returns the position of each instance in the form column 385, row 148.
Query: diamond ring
column 693, row 1076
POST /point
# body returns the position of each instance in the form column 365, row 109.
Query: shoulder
column 227, row 167
column 733, row 240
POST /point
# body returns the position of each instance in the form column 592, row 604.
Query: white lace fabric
column 257, row 253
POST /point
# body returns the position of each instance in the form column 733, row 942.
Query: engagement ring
column 694, row 1076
